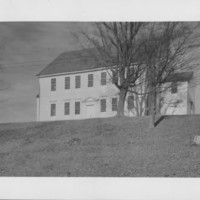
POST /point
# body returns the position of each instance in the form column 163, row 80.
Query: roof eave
column 69, row 73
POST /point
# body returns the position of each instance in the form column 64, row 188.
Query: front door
column 90, row 113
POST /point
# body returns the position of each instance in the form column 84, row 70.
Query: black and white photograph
column 105, row 99
column 99, row 98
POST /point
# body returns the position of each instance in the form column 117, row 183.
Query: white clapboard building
column 74, row 86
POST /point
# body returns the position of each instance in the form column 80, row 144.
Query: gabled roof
column 89, row 59
column 180, row 77
column 80, row 60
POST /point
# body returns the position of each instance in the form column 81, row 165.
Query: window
column 103, row 78
column 103, row 105
column 90, row 80
column 114, row 78
column 77, row 108
column 77, row 81
column 67, row 83
column 67, row 108
column 53, row 84
column 53, row 109
column 114, row 104
column 130, row 102
column 174, row 88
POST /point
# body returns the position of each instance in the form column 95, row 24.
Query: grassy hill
column 101, row 147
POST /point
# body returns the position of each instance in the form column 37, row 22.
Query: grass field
column 101, row 147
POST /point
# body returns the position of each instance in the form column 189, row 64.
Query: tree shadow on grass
column 159, row 120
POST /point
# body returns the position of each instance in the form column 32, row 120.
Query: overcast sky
column 26, row 48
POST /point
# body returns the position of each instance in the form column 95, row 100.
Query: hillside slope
column 101, row 147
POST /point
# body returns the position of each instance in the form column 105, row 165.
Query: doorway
column 90, row 111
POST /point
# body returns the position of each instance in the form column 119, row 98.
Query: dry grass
column 101, row 147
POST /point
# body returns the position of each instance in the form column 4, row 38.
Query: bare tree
column 168, row 48
column 153, row 50
column 118, row 45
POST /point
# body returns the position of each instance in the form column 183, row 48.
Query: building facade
column 79, row 89
column 177, row 99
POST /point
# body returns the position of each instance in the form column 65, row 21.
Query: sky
column 25, row 49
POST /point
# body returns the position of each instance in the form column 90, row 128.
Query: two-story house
column 74, row 86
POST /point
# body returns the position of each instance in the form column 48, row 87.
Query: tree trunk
column 122, row 96
column 147, row 105
column 153, row 107
column 158, row 101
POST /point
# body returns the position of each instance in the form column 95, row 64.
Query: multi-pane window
column 53, row 84
column 174, row 88
column 103, row 78
column 90, row 80
column 130, row 102
column 77, row 108
column 53, row 109
column 67, row 83
column 103, row 105
column 77, row 81
column 114, row 104
column 67, row 108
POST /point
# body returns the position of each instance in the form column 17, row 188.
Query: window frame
column 103, row 107
column 53, row 84
column 67, row 82
column 114, row 106
column 130, row 106
column 114, row 78
column 103, row 79
column 65, row 109
column 75, row 110
column 90, row 81
column 174, row 88
column 77, row 84
column 53, row 110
